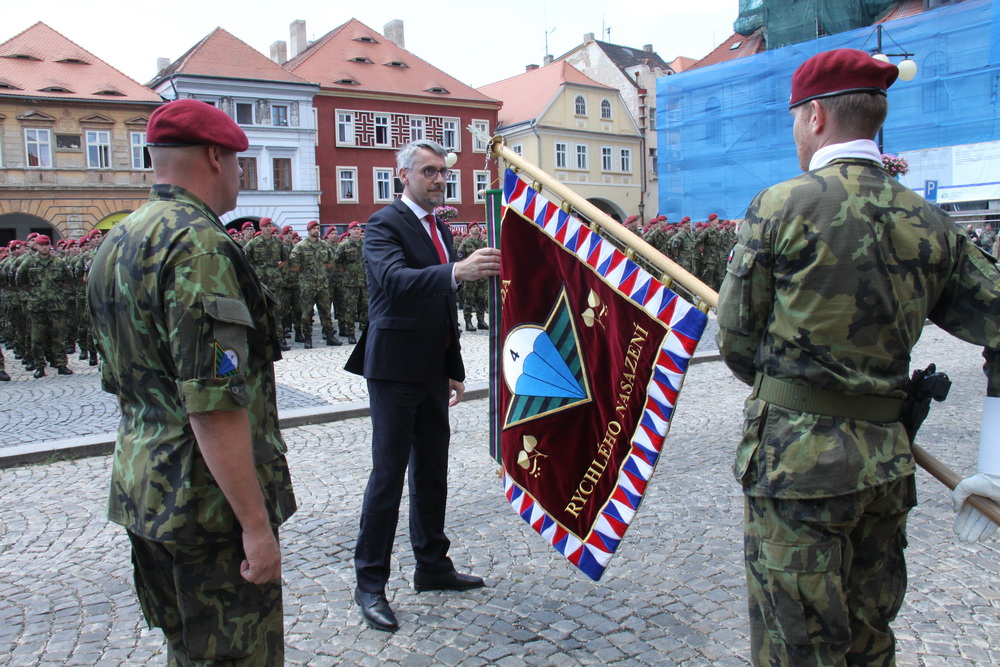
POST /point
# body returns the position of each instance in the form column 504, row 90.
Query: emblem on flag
column 594, row 355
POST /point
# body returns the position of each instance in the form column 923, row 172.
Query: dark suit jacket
column 411, row 309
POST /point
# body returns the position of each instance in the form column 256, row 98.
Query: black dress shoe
column 449, row 581
column 64, row 370
column 375, row 610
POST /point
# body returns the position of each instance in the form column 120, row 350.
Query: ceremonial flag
column 592, row 355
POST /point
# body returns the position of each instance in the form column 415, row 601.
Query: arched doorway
column 19, row 225
column 609, row 207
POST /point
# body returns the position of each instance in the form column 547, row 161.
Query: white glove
column 971, row 524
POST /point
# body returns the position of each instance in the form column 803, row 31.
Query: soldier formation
column 42, row 302
column 701, row 248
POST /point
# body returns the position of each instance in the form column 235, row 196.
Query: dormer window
column 438, row 89
column 8, row 86
column 73, row 61
column 54, row 89
column 111, row 92
column 347, row 82
column 396, row 63
column 360, row 59
column 366, row 39
column 21, row 56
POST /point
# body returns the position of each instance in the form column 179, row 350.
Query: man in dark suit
column 411, row 357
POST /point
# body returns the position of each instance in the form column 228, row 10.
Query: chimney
column 530, row 68
column 297, row 32
column 648, row 48
column 279, row 52
column 162, row 64
column 547, row 61
column 393, row 31
column 588, row 37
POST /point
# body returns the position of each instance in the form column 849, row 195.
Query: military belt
column 825, row 402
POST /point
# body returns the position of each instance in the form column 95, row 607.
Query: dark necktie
column 436, row 238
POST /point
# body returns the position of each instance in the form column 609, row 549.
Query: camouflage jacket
column 311, row 258
column 832, row 278
column 48, row 282
column 183, row 326
column 349, row 261
column 265, row 255
column 469, row 246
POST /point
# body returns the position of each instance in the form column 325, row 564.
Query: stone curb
column 100, row 444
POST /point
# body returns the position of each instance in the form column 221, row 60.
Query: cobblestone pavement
column 673, row 595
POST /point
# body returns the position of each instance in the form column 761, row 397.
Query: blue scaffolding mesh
column 725, row 133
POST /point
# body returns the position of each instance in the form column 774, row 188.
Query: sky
column 475, row 42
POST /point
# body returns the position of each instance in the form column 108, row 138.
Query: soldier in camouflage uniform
column 199, row 477
column 474, row 294
column 47, row 279
column 311, row 261
column 834, row 274
column 349, row 263
column 85, row 336
column 269, row 256
column 20, row 319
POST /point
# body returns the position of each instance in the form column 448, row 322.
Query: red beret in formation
column 353, row 225
column 247, row 225
column 840, row 72
column 712, row 216
column 286, row 229
column 264, row 221
column 312, row 223
column 190, row 122
column 686, row 219
column 42, row 239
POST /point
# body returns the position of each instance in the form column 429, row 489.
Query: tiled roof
column 40, row 62
column 626, row 56
column 904, row 9
column 526, row 95
column 220, row 54
column 681, row 63
column 737, row 46
column 353, row 57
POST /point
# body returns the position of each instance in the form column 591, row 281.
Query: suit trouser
column 409, row 428
column 826, row 577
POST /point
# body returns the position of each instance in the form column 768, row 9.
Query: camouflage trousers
column 209, row 614
column 48, row 338
column 320, row 296
column 474, row 297
column 354, row 308
column 826, row 577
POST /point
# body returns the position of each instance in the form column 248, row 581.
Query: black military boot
column 482, row 324
column 4, row 377
column 64, row 370
column 468, row 324
column 83, row 354
column 333, row 340
column 93, row 359
column 40, row 372
column 351, row 340
column 71, row 348
column 283, row 345
column 299, row 338
column 307, row 343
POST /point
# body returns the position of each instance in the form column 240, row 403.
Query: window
column 38, row 147
column 449, row 134
column 248, row 179
column 98, row 149
column 560, row 155
column 713, row 125
column 383, row 185
column 279, row 115
column 652, row 118
column 140, row 154
column 517, row 148
column 381, row 130
column 606, row 158
column 606, row 109
column 453, row 188
column 345, row 128
column 581, row 105
column 626, row 159
column 483, row 127
column 347, row 182
column 416, row 128
column 282, row 173
column 244, row 113
column 482, row 179
column 581, row 156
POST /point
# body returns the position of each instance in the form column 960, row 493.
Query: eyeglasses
column 430, row 172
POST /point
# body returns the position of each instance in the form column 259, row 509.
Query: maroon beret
column 353, row 225
column 42, row 239
column 190, row 122
column 286, row 229
column 312, row 223
column 631, row 218
column 840, row 72
column 686, row 219
column 246, row 225
column 232, row 232
column 713, row 216
column 264, row 221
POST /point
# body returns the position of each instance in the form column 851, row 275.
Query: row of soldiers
column 43, row 302
column 324, row 274
column 701, row 248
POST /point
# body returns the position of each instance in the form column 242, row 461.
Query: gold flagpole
column 708, row 296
